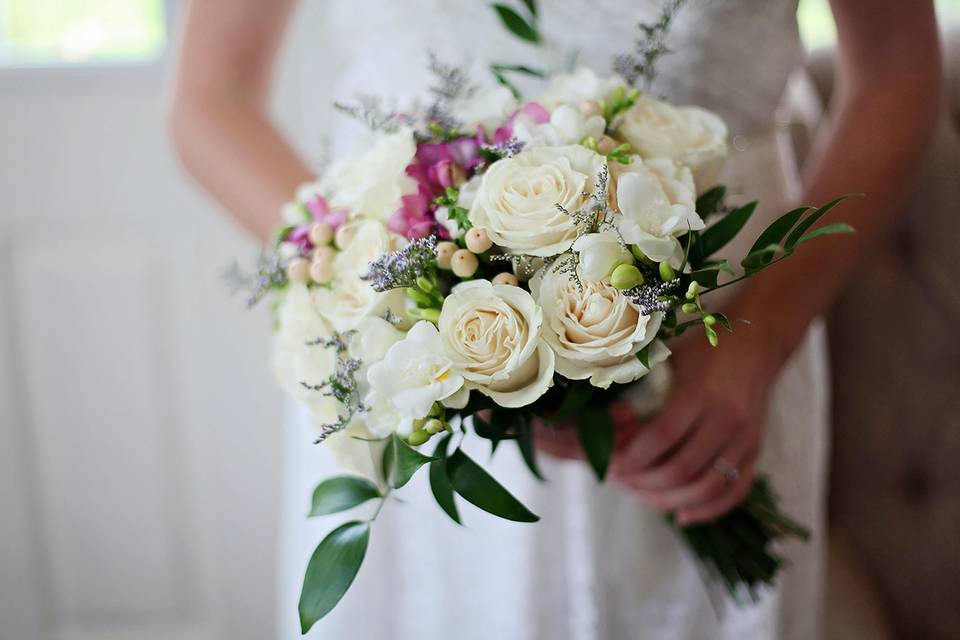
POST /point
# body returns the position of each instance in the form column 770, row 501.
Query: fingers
column 559, row 442
column 685, row 462
column 656, row 437
column 709, row 485
column 717, row 506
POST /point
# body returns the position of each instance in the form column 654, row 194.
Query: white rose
column 492, row 334
column 600, row 254
column 567, row 125
column 415, row 372
column 574, row 88
column 595, row 331
column 657, row 203
column 487, row 106
column 691, row 135
column 373, row 182
column 518, row 197
column 349, row 298
column 294, row 361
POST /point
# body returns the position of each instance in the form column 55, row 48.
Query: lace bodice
column 732, row 56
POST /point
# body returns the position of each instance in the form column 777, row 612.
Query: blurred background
column 140, row 438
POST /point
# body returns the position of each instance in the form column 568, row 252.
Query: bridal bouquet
column 491, row 264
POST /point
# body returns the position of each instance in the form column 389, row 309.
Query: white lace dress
column 598, row 565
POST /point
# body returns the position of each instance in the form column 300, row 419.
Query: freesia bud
column 689, row 307
column 693, row 290
column 709, row 320
column 418, row 437
column 712, row 337
column 433, row 426
column 666, row 272
column 626, row 276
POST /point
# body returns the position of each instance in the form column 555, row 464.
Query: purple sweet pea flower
column 413, row 219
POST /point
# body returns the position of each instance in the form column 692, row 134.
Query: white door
column 139, row 427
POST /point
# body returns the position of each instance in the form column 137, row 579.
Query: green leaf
column 794, row 238
column 758, row 259
column 331, row 570
column 341, row 493
column 523, row 428
column 826, row 230
column 515, row 23
column 707, row 276
column 724, row 321
column 439, row 484
column 724, row 230
column 531, row 7
column 480, row 489
column 710, row 201
column 575, row 399
column 644, row 356
column 777, row 229
column 595, row 432
column 401, row 461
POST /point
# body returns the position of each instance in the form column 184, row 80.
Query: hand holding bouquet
column 492, row 263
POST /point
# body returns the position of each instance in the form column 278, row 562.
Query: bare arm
column 883, row 114
column 219, row 115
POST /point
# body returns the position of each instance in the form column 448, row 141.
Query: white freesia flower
column 595, row 331
column 354, row 450
column 415, row 372
column 373, row 182
column 294, row 361
column 518, row 197
column 567, row 125
column 600, row 253
column 493, row 335
column 350, row 298
column 487, row 106
column 657, row 203
column 574, row 88
column 693, row 136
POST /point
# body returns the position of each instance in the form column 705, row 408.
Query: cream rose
column 373, row 183
column 487, row 106
column 693, row 136
column 595, row 331
column 657, row 203
column 517, row 199
column 492, row 333
column 574, row 88
column 349, row 298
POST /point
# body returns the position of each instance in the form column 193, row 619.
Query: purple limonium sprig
column 654, row 297
column 342, row 385
column 400, row 269
column 505, row 148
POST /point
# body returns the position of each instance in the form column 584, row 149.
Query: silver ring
column 729, row 471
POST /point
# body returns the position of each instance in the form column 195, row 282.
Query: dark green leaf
column 724, row 321
column 595, row 431
column 401, row 461
column 758, row 259
column 644, row 356
column 332, row 568
column 576, row 398
column 439, row 484
column 778, row 229
column 520, row 68
column 809, row 221
column 724, row 230
column 710, row 201
column 826, row 230
column 707, row 276
column 341, row 493
column 523, row 429
column 531, row 7
column 515, row 23
column 480, row 489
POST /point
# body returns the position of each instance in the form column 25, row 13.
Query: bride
column 601, row 564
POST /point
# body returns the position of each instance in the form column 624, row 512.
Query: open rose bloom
column 496, row 265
